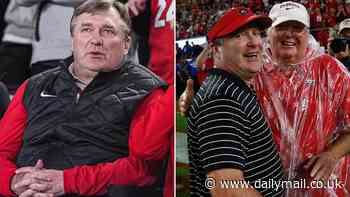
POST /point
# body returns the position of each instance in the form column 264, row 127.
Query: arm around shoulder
column 202, row 57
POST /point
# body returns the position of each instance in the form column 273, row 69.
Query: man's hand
column 136, row 7
column 326, row 161
column 55, row 186
column 33, row 193
column 22, row 179
column 186, row 98
column 322, row 166
column 231, row 174
column 203, row 56
column 28, row 182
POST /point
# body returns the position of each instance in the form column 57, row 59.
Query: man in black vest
column 66, row 131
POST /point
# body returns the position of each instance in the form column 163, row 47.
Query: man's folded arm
column 92, row 180
column 84, row 180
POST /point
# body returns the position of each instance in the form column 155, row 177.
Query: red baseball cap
column 234, row 19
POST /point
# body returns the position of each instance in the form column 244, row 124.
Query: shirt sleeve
column 11, row 134
column 222, row 135
column 95, row 179
column 152, row 126
column 148, row 144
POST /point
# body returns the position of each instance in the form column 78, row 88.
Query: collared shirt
column 80, row 83
column 227, row 129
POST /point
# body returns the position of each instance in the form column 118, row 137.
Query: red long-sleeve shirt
column 152, row 133
column 84, row 180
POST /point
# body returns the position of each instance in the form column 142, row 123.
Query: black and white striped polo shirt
column 226, row 129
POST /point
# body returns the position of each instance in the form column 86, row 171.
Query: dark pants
column 14, row 64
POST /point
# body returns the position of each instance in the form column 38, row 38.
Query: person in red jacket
column 161, row 39
column 66, row 131
column 152, row 133
column 156, row 141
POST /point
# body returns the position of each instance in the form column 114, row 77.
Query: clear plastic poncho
column 307, row 106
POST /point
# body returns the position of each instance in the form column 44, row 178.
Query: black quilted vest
column 66, row 127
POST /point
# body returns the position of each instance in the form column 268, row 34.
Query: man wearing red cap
column 228, row 137
column 305, row 96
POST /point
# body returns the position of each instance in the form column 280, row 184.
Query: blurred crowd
column 194, row 18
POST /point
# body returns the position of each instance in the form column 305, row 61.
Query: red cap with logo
column 234, row 19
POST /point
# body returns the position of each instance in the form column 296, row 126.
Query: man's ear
column 268, row 37
column 347, row 50
column 72, row 43
column 127, row 45
column 217, row 55
column 217, row 51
